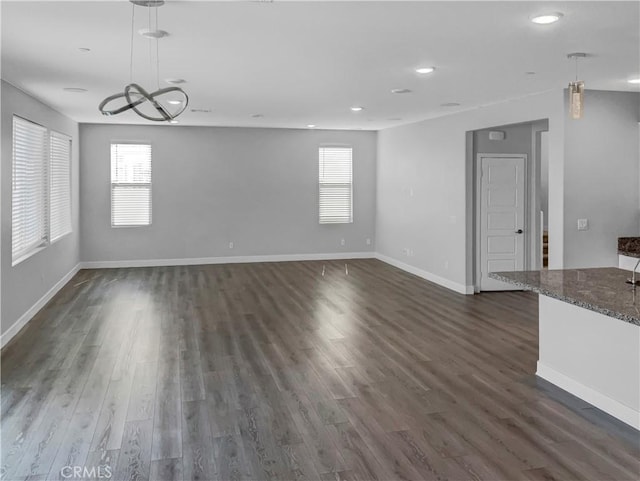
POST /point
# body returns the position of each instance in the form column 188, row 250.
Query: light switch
column 583, row 224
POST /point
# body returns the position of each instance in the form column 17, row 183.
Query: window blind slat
column 130, row 184
column 335, row 185
column 29, row 188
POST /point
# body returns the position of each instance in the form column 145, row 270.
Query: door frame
column 477, row 171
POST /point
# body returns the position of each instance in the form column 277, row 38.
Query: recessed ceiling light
column 84, row 49
column 175, row 80
column 174, row 102
column 423, row 70
column 174, row 121
column 356, row 108
column 400, row 91
column 634, row 81
column 546, row 18
column 311, row 125
column 145, row 32
column 75, row 90
column 450, row 104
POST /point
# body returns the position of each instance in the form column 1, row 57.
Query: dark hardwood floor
column 275, row 371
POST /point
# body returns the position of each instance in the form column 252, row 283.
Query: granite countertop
column 601, row 290
column 629, row 246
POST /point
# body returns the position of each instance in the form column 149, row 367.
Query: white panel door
column 502, row 221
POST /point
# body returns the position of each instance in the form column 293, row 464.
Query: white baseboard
column 454, row 286
column 226, row 260
column 33, row 310
column 611, row 406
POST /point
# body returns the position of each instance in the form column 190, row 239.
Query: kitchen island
column 589, row 335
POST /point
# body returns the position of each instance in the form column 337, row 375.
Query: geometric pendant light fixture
column 161, row 105
column 576, row 90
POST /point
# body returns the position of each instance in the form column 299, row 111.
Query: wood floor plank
column 230, row 458
column 46, row 440
column 358, row 458
column 331, row 370
column 19, row 430
column 191, row 376
column 166, row 470
column 113, row 415
column 143, row 397
column 167, row 425
column 221, row 404
column 425, row 459
column 134, row 459
column 321, row 448
column 104, row 462
column 198, row 462
column 74, row 448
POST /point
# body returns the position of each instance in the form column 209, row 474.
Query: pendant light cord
column 157, row 54
column 150, row 46
column 133, row 15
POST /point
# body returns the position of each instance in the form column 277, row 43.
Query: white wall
column 601, row 177
column 26, row 283
column 424, row 186
column 256, row 188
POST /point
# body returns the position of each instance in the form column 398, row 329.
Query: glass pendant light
column 576, row 90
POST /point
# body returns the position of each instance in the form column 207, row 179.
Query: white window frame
column 46, row 161
column 137, row 184
column 322, row 220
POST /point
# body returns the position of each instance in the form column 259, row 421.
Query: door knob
column 519, row 231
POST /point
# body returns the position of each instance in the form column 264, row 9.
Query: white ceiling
column 300, row 63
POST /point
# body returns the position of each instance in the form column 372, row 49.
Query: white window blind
column 59, row 185
column 336, row 185
column 29, row 189
column 130, row 184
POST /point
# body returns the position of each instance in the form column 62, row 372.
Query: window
column 336, row 185
column 130, row 185
column 59, row 185
column 28, row 189
column 40, row 188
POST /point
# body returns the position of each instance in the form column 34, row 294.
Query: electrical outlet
column 583, row 224
column 342, row 242
column 230, row 245
column 368, row 241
